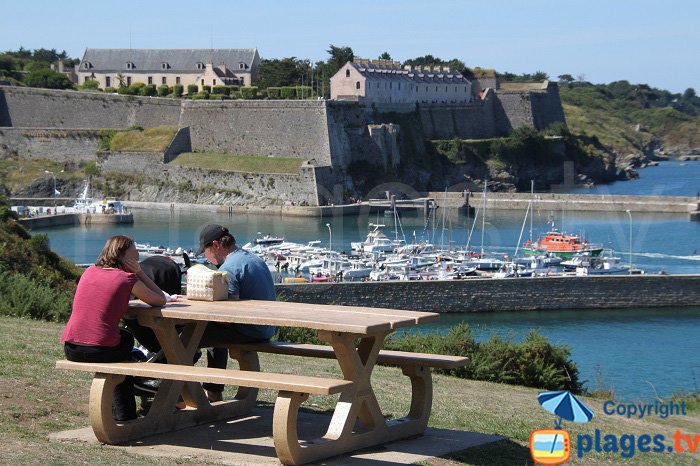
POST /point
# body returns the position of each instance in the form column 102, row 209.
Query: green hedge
column 206, row 89
column 192, row 89
column 274, row 92
column 163, row 90
column 533, row 363
column 149, row 90
column 178, row 90
column 249, row 92
column 221, row 90
column 303, row 92
column 288, row 92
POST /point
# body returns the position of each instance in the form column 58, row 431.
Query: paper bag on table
column 205, row 284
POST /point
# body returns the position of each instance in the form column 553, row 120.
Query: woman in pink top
column 101, row 300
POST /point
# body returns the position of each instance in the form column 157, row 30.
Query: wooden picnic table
column 357, row 421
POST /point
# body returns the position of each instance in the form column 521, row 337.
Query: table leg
column 357, row 421
column 163, row 415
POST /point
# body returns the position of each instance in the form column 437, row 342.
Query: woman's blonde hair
column 114, row 249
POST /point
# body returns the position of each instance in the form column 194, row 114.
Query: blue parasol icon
column 566, row 406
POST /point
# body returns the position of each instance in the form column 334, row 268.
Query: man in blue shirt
column 248, row 278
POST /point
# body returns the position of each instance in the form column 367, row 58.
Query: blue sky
column 657, row 43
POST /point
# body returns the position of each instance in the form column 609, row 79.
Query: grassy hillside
column 631, row 118
column 34, row 281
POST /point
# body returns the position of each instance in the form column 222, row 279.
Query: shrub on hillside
column 533, row 363
column 34, row 281
column 47, row 78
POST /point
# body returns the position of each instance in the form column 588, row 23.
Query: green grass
column 238, row 163
column 147, row 140
column 36, row 400
column 20, row 173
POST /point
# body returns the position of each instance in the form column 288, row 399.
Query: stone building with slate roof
column 385, row 81
column 203, row 67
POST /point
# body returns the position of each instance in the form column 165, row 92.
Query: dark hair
column 113, row 250
column 227, row 241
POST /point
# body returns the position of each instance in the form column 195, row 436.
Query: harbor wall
column 570, row 202
column 491, row 295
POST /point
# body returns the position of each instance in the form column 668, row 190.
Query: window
column 357, row 85
column 213, row 82
column 128, row 80
column 202, row 83
column 150, row 80
column 399, row 86
column 164, row 66
column 108, row 81
column 87, row 65
column 347, row 73
column 163, row 80
column 129, row 65
column 242, row 66
column 390, row 85
column 200, row 66
column 177, row 79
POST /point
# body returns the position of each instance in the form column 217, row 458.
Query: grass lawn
column 238, row 163
column 36, row 400
column 21, row 173
column 147, row 140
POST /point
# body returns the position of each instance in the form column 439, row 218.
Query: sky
column 656, row 43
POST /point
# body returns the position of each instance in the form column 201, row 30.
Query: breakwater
column 491, row 295
column 570, row 202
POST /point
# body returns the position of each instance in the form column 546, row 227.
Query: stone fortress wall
column 40, row 123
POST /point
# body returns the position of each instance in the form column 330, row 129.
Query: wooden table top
column 350, row 319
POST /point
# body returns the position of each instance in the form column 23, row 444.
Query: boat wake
column 657, row 255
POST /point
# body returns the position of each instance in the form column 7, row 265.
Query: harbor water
column 640, row 353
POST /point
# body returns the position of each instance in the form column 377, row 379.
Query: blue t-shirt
column 250, row 278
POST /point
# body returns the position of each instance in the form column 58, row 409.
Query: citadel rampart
column 329, row 135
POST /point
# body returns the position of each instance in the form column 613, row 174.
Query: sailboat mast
column 483, row 219
column 532, row 196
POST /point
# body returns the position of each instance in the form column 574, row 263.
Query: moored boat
column 562, row 245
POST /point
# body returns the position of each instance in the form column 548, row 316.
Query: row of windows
column 163, row 66
column 427, row 88
column 163, row 80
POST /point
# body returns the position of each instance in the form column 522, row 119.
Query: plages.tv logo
column 553, row 446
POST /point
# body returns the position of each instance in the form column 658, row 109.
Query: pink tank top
column 101, row 300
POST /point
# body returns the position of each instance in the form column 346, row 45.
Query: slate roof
column 178, row 59
column 392, row 73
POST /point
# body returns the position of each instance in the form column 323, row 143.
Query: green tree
column 7, row 64
column 565, row 78
column 385, row 56
column 121, row 79
column 47, row 78
column 339, row 57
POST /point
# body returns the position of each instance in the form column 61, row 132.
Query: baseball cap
column 209, row 234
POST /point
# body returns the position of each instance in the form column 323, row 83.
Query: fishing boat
column 562, row 245
column 269, row 240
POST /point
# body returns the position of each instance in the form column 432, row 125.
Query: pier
column 50, row 220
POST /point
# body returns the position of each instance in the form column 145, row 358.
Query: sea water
column 640, row 353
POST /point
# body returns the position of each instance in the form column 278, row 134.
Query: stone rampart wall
column 44, row 108
column 60, row 145
column 488, row 295
column 270, row 128
column 217, row 187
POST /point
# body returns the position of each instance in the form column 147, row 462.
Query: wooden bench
column 271, row 380
column 162, row 417
column 398, row 358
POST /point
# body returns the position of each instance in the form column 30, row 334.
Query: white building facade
column 203, row 67
column 385, row 81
